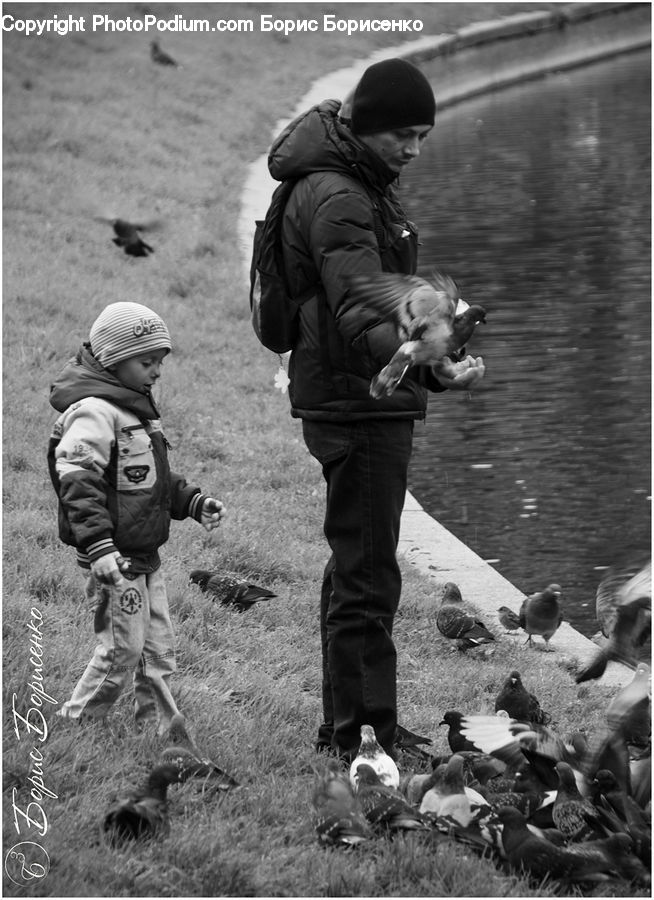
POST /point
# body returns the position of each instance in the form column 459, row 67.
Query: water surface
column 537, row 200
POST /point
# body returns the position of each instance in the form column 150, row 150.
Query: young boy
column 109, row 466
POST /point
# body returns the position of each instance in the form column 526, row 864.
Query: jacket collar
column 83, row 377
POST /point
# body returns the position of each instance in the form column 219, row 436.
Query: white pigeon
column 373, row 754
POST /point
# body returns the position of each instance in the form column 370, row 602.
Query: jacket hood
column 83, row 376
column 319, row 140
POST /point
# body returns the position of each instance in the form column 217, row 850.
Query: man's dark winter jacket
column 342, row 218
column 108, row 463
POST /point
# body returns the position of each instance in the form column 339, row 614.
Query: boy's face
column 140, row 372
column 397, row 148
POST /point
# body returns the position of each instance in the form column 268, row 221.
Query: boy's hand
column 213, row 512
column 107, row 569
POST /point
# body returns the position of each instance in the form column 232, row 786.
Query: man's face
column 398, row 147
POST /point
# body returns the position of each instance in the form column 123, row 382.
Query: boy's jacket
column 108, row 461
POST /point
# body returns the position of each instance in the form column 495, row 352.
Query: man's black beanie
column 392, row 94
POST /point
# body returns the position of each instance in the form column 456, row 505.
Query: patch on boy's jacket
column 131, row 601
column 136, row 474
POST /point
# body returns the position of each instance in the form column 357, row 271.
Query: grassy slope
column 91, row 127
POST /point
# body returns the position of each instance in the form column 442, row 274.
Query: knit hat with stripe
column 123, row 330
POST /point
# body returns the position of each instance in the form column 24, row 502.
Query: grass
column 92, row 127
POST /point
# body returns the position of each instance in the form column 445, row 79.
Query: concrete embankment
column 479, row 58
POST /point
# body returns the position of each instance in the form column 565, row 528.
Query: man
column 344, row 218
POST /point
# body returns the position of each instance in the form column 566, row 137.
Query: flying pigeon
column 371, row 753
column 519, row 702
column 128, row 237
column 159, row 56
column 230, row 589
column 384, row 805
column 508, row 618
column 629, row 627
column 541, row 613
column 338, row 817
column 620, row 585
column 457, row 622
column 424, row 313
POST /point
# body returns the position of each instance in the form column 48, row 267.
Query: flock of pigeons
column 574, row 810
column 511, row 788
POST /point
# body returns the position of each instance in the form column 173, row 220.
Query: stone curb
column 478, row 58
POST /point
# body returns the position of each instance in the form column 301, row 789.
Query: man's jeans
column 135, row 643
column 365, row 466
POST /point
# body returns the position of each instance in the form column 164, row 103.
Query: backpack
column 274, row 312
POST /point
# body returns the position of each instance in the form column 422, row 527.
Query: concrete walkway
column 481, row 57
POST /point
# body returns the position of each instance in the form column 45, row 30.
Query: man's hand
column 213, row 512
column 468, row 373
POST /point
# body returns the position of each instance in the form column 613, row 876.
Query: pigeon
column 128, row 237
column 452, row 718
column 535, row 855
column 540, row 613
column 338, row 817
column 180, row 750
column 519, row 703
column 620, row 585
column 573, row 815
column 143, row 813
column 457, row 622
column 409, row 742
column 159, row 56
column 371, row 753
column 508, row 619
column 631, row 629
column 384, row 805
column 230, row 589
column 448, row 796
column 619, row 850
column 424, row 313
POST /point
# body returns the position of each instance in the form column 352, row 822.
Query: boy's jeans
column 365, row 466
column 136, row 643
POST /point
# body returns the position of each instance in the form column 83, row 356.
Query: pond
column 536, row 199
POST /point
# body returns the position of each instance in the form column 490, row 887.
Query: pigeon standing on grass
column 448, row 796
column 180, row 750
column 409, row 742
column 541, row 614
column 457, row 622
column 372, row 753
column 143, row 813
column 383, row 805
column 519, row 703
column 573, row 815
column 230, row 589
column 160, row 56
column 533, row 854
column 338, row 817
column 508, row 619
column 424, row 313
